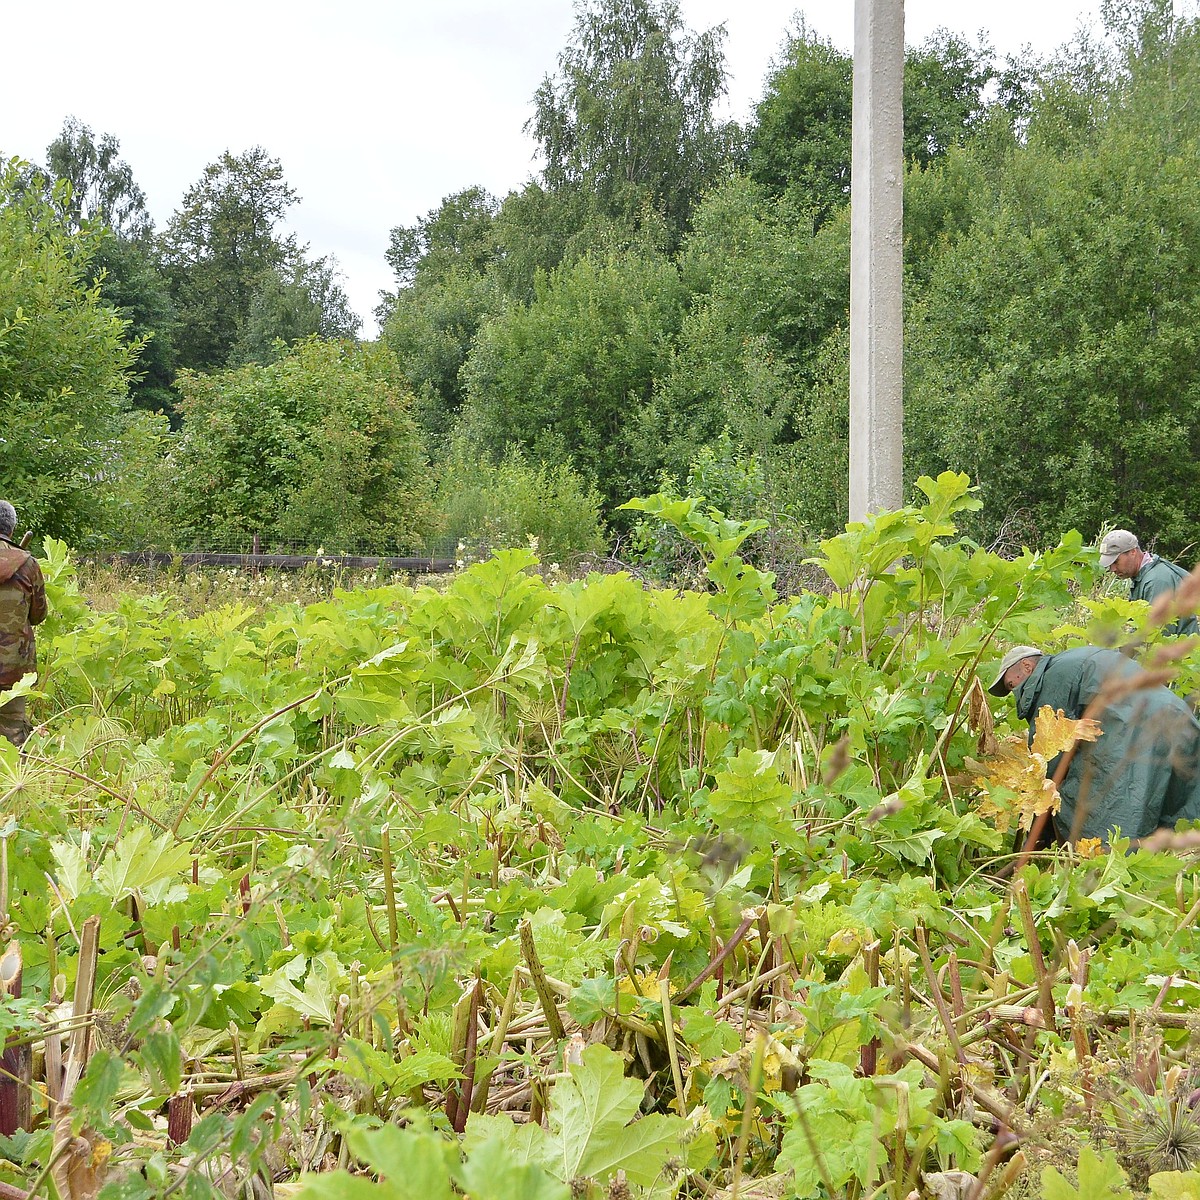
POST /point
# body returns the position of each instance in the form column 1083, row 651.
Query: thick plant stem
column 664, row 995
column 538, row 974
column 480, row 1095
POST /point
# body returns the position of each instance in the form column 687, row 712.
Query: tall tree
column 217, row 248
column 467, row 259
column 454, row 236
column 102, row 186
column 566, row 377
column 1053, row 351
column 629, row 118
column 64, row 362
column 103, row 196
column 103, row 190
column 299, row 300
column 765, row 290
column 945, row 84
column 801, row 141
column 442, row 293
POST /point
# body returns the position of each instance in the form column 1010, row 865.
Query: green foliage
column 430, row 330
column 291, row 302
column 765, row 293
column 1175, row 1185
column 218, row 247
column 1099, row 1179
column 316, row 449
column 842, row 1128
column 102, row 191
column 1061, row 320
column 741, row 832
column 458, row 236
column 719, row 476
column 639, row 781
column 801, row 140
column 564, row 378
column 743, row 592
column 131, row 283
column 103, row 196
column 629, row 117
column 595, row 1131
column 481, row 504
column 65, row 359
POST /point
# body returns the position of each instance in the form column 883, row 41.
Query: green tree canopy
column 298, row 300
column 455, row 236
column 102, row 187
column 443, row 290
column 103, row 196
column 64, row 363
column 218, row 247
column 464, row 262
column 765, row 291
column 629, row 117
column 566, row 377
column 1053, row 352
column 801, row 139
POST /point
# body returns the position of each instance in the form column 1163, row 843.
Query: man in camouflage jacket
column 22, row 606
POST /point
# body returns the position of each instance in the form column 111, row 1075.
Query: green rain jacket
column 1157, row 576
column 1143, row 773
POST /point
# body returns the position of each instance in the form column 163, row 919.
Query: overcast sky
column 377, row 110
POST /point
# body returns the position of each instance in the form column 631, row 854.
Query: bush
column 317, row 449
column 491, row 506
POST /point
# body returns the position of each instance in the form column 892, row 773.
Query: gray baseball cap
column 1013, row 657
column 1115, row 543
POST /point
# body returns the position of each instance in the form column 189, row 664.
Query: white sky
column 376, row 110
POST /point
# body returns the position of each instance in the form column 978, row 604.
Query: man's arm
column 30, row 575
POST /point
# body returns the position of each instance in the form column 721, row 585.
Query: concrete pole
column 877, row 260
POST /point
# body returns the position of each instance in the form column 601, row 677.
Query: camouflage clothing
column 22, row 606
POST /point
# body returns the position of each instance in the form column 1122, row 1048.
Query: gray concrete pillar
column 877, row 260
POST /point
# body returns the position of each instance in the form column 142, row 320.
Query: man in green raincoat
column 1143, row 773
column 1149, row 575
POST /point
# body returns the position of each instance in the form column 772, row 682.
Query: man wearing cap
column 1143, row 773
column 1149, row 575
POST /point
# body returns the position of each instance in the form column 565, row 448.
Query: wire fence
column 255, row 553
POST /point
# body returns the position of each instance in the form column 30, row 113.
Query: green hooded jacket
column 1143, row 773
column 1158, row 576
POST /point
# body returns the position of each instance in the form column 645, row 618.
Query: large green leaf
column 592, row 1121
column 141, row 861
column 491, row 1172
column 1099, row 1179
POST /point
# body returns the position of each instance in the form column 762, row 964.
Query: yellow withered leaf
column 1014, row 779
column 1057, row 732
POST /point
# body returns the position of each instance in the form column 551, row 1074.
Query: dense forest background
column 663, row 307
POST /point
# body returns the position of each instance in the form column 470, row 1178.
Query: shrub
column 491, row 506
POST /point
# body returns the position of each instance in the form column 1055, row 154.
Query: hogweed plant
column 524, row 887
